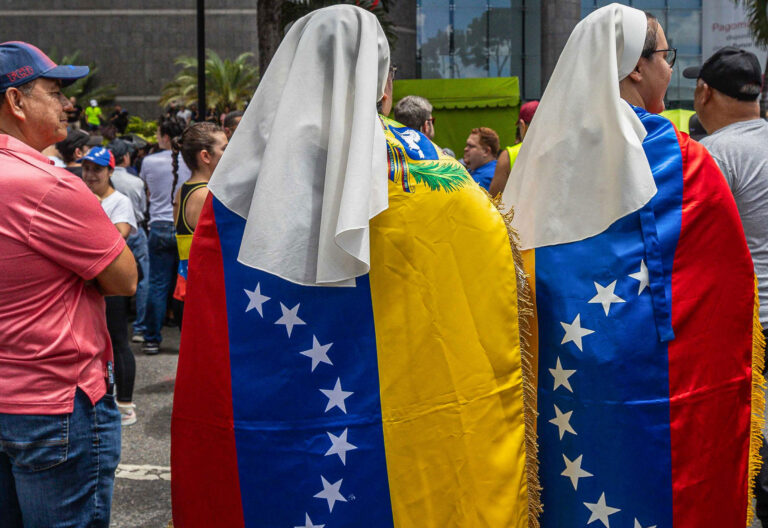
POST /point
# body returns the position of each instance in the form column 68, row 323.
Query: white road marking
column 145, row 472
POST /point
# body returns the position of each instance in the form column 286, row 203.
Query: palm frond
column 445, row 175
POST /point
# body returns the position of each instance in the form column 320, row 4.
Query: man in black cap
column 727, row 88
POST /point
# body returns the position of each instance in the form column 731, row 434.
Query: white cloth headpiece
column 307, row 166
column 582, row 164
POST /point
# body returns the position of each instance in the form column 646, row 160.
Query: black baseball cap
column 733, row 71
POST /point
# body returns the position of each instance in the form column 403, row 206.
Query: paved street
column 142, row 488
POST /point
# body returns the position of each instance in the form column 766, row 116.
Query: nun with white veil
column 648, row 359
column 344, row 361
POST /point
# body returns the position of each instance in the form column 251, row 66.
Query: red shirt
column 54, row 236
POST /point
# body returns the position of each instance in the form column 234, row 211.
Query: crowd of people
column 96, row 239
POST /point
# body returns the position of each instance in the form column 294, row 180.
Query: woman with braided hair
column 157, row 172
column 201, row 145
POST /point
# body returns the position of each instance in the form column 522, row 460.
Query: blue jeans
column 59, row 470
column 163, row 266
column 138, row 245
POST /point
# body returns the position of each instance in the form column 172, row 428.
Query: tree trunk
column 269, row 30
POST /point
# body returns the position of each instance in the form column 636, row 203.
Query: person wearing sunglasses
column 644, row 294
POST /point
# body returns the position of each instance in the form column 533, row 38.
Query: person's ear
column 205, row 157
column 14, row 103
column 706, row 93
column 636, row 74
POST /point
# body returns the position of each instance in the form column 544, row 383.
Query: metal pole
column 202, row 107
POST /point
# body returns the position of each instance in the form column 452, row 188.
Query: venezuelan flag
column 650, row 387
column 395, row 403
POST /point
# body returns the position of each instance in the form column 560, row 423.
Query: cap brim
column 692, row 72
column 67, row 74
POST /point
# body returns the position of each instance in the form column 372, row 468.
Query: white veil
column 582, row 164
column 307, row 166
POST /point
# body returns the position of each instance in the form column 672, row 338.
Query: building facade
column 133, row 43
column 488, row 38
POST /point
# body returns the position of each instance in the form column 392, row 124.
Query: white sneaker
column 137, row 338
column 127, row 413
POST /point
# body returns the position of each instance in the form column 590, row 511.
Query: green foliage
column 227, row 83
column 295, row 9
column 147, row 130
column 758, row 19
column 444, row 175
column 89, row 87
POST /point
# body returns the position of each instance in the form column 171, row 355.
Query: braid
column 175, row 147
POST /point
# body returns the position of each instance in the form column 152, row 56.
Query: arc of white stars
column 637, row 525
column 601, row 511
column 290, row 318
column 256, row 299
column 340, row 446
column 318, row 353
column 336, row 397
column 606, row 296
column 331, row 493
column 574, row 471
column 563, row 422
column 641, row 276
column 308, row 523
column 574, row 332
column 561, row 376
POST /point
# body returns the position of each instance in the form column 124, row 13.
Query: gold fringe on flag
column 525, row 308
column 758, row 406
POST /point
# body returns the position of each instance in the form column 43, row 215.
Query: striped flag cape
column 397, row 402
column 649, row 351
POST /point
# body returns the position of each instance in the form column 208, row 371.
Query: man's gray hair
column 413, row 111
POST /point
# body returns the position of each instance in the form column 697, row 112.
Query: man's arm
column 500, row 175
column 120, row 276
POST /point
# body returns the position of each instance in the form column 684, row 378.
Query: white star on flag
column 308, row 523
column 561, row 376
column 574, row 332
column 641, row 276
column 290, row 318
column 336, row 397
column 318, row 353
column 637, row 525
column 256, row 299
column 600, row 511
column 605, row 296
column 573, row 470
column 331, row 493
column 563, row 422
column 340, row 446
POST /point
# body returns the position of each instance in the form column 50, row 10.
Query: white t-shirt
column 157, row 172
column 119, row 209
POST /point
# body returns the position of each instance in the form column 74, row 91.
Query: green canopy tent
column 679, row 117
column 459, row 105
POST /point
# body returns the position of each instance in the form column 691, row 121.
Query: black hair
column 651, row 36
column 75, row 139
column 194, row 139
column 170, row 128
column 229, row 120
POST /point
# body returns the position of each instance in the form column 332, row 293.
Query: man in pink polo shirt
column 59, row 254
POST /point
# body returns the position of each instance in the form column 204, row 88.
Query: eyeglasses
column 392, row 72
column 670, row 57
column 431, row 120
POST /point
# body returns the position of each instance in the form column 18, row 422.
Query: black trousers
column 125, row 363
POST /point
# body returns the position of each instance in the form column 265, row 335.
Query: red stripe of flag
column 205, row 486
column 710, row 388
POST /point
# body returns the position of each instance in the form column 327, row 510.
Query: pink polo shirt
column 54, row 236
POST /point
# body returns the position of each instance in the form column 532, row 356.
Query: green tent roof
column 459, row 105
